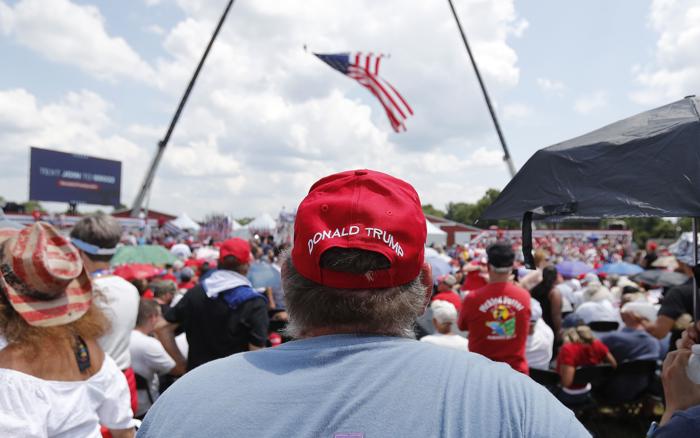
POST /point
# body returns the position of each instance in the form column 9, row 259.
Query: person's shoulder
column 459, row 362
column 206, row 378
column 683, row 423
column 114, row 284
column 108, row 375
column 599, row 344
column 679, row 290
column 142, row 340
column 613, row 336
column 568, row 347
column 136, row 336
column 690, row 414
column 479, row 293
column 195, row 293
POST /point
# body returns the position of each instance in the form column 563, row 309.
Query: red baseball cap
column 236, row 247
column 360, row 209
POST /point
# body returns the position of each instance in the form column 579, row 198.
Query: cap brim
column 64, row 309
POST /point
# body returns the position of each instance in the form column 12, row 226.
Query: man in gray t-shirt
column 355, row 282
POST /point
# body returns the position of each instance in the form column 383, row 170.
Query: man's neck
column 337, row 331
column 145, row 330
column 498, row 278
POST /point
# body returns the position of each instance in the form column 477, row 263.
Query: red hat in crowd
column 360, row 209
column 43, row 276
column 238, row 248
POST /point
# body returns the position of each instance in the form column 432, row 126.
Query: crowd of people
column 200, row 346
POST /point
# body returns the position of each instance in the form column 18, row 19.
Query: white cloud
column 587, row 104
column 551, row 86
column 675, row 71
column 72, row 34
column 154, row 29
column 266, row 119
column 517, row 111
column 79, row 122
column 483, row 157
column 275, row 119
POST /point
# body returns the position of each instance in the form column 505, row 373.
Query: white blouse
column 33, row 407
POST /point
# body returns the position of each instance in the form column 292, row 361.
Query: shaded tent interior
column 647, row 165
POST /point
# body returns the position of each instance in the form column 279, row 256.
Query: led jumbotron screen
column 64, row 177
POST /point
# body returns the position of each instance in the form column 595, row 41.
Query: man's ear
column 426, row 272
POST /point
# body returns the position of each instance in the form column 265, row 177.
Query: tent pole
column 151, row 173
column 695, row 264
column 506, row 154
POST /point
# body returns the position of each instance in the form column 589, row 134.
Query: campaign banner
column 64, row 177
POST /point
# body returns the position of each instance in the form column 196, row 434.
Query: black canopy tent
column 643, row 166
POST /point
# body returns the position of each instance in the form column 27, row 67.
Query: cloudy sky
column 267, row 119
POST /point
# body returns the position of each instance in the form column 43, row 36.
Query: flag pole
column 150, row 175
column 506, row 155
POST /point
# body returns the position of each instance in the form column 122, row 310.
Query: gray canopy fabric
column 645, row 165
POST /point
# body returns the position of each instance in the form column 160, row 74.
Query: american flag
column 365, row 70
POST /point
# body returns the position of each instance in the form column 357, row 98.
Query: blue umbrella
column 573, row 268
column 262, row 274
column 440, row 267
column 620, row 268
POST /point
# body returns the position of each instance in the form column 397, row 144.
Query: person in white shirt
column 55, row 380
column 96, row 237
column 597, row 305
column 444, row 318
column 540, row 340
column 148, row 357
column 570, row 292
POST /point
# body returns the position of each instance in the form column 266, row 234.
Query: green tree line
column 643, row 228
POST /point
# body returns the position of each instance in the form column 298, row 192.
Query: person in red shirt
column 474, row 278
column 497, row 316
column 445, row 291
column 580, row 348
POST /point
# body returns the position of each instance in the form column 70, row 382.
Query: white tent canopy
column 435, row 234
column 184, row 222
column 263, row 223
column 238, row 230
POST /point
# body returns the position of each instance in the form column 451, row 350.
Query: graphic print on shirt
column 503, row 311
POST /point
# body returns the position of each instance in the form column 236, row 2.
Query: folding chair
column 604, row 326
column 546, row 378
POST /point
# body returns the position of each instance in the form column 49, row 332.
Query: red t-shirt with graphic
column 497, row 317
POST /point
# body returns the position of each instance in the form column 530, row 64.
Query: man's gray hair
column 98, row 229
column 312, row 306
